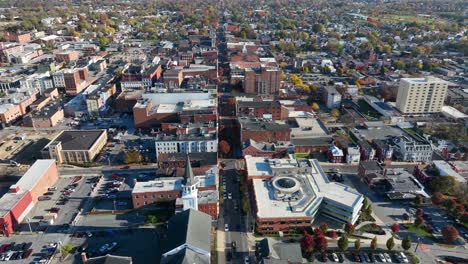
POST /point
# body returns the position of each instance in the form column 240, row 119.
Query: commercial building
column 272, row 251
column 290, row 193
column 47, row 117
column 141, row 76
column 412, row 147
column 191, row 191
column 181, row 107
column 263, row 80
column 331, row 97
column 76, row 146
column 22, row 196
column 261, row 109
column 265, row 149
column 186, row 143
column 263, row 130
column 188, row 238
column 421, row 95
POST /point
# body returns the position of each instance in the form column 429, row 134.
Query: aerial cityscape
column 233, row 131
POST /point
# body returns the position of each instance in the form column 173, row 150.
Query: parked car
column 382, row 257
column 27, row 253
column 54, row 209
column 226, row 227
column 388, row 258
column 112, row 246
column 402, row 257
column 52, row 189
column 44, row 198
column 335, row 257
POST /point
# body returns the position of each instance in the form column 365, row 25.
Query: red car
column 27, row 253
column 3, row 248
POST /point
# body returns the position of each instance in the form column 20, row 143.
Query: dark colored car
column 54, row 209
column 27, row 246
column 27, row 253
column 357, row 258
column 371, row 257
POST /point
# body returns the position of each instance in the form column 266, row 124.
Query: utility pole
column 417, row 245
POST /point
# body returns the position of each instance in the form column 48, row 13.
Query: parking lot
column 65, row 200
column 128, row 242
column 40, row 246
column 362, row 256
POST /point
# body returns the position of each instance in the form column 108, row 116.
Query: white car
column 112, row 246
column 382, row 257
column 335, row 257
column 246, row 260
column 388, row 258
column 226, row 228
column 229, row 195
column 8, row 256
column 104, row 248
column 403, row 257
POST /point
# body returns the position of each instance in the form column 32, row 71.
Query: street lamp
column 417, row 245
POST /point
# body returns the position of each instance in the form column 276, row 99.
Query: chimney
column 14, row 188
column 84, row 259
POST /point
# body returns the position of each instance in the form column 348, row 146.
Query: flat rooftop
column 301, row 193
column 26, row 183
column 78, row 139
column 160, row 185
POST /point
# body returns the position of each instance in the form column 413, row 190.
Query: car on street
column 54, row 210
column 246, row 260
column 226, row 228
column 44, row 198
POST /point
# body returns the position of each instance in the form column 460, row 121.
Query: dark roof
column 109, row 259
column 320, row 141
column 255, row 104
column 269, row 249
column 371, row 165
column 189, row 178
column 78, row 139
column 186, row 256
column 190, row 227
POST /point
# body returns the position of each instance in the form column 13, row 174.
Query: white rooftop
column 166, row 184
column 314, row 187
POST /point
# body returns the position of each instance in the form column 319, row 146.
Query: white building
column 333, row 97
column 59, row 79
column 186, row 143
column 353, row 155
column 421, row 95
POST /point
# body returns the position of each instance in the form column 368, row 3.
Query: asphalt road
column 232, row 215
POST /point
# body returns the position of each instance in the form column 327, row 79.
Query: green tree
column 317, row 28
column 151, row 219
column 315, row 106
column 103, row 41
column 445, row 184
column 373, row 243
column 357, row 244
column 390, row 243
column 406, row 243
column 343, row 242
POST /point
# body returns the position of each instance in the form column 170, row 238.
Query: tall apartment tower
column 421, row 95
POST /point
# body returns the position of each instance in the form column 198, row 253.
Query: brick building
column 67, row 56
column 17, row 37
column 265, row 80
column 23, row 195
column 188, row 192
column 260, row 109
column 264, row 149
column 263, row 130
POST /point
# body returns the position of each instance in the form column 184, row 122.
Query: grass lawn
column 417, row 230
column 156, row 217
column 367, row 110
column 301, row 155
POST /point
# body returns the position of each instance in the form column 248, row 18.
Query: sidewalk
column 220, row 246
